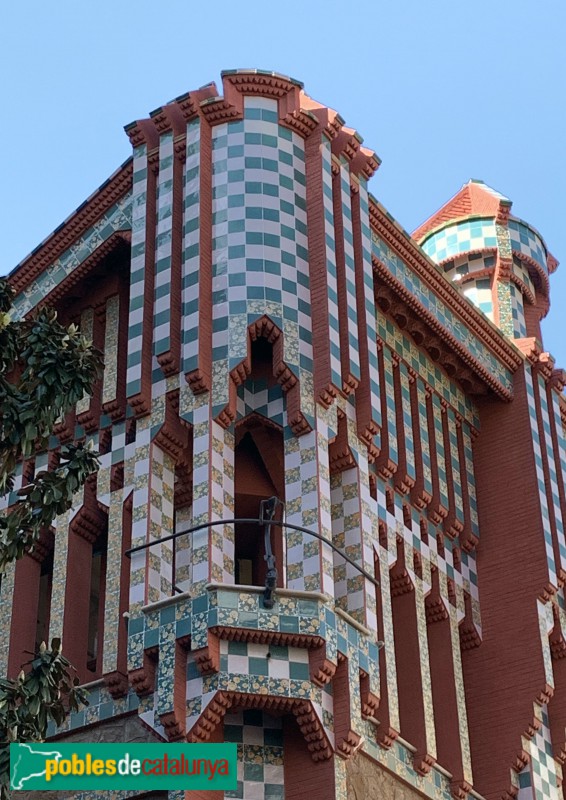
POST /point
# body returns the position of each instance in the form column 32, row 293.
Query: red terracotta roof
column 474, row 198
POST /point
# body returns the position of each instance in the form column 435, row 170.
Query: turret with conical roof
column 501, row 262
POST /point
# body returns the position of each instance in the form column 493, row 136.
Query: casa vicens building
column 392, row 626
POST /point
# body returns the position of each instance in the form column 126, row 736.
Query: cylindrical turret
column 501, row 262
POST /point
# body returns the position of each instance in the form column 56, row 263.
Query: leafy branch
column 45, row 692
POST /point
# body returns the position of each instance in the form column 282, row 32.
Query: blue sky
column 442, row 90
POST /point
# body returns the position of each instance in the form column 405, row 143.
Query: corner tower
column 501, row 262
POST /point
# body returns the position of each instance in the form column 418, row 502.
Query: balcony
column 193, row 659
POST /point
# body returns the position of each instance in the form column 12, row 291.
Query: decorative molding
column 409, row 251
column 265, row 328
column 173, row 435
column 143, row 678
column 117, row 684
column 118, row 185
column 309, row 724
column 441, row 337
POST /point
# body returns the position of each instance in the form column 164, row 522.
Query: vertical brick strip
column 389, row 725
column 442, row 632
column 303, row 776
column 411, row 654
column 191, row 250
column 368, row 406
column 163, row 294
column 500, row 701
column 140, row 333
column 326, row 336
column 25, row 600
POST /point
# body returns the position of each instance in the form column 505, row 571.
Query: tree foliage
column 45, row 369
column 47, row 691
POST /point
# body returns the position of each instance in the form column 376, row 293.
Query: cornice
column 217, row 110
column 541, row 361
column 525, row 290
column 530, row 262
column 260, row 82
column 119, row 239
column 463, row 254
column 168, row 118
column 107, row 195
column 444, row 336
column 407, row 249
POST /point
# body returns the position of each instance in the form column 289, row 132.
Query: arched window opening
column 96, row 603
column 259, row 474
column 262, row 361
column 44, row 600
column 182, row 517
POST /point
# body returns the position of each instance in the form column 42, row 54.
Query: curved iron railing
column 268, row 509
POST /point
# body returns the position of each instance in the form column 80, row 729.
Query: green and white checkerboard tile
column 470, row 478
column 183, row 549
column 260, row 256
column 162, row 288
column 331, row 277
column 552, row 568
column 438, row 443
column 460, row 237
column 521, row 270
column 307, row 558
column 464, row 266
column 423, row 435
column 545, row 773
column 457, row 495
column 260, row 754
column 560, row 455
column 369, row 303
column 137, row 271
column 525, row 241
column 553, row 462
column 518, row 312
column 269, row 401
column 350, row 274
column 191, row 248
column 480, row 294
column 389, row 435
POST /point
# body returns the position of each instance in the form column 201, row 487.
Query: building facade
column 269, row 329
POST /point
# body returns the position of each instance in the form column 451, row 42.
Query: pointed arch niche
column 259, row 460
